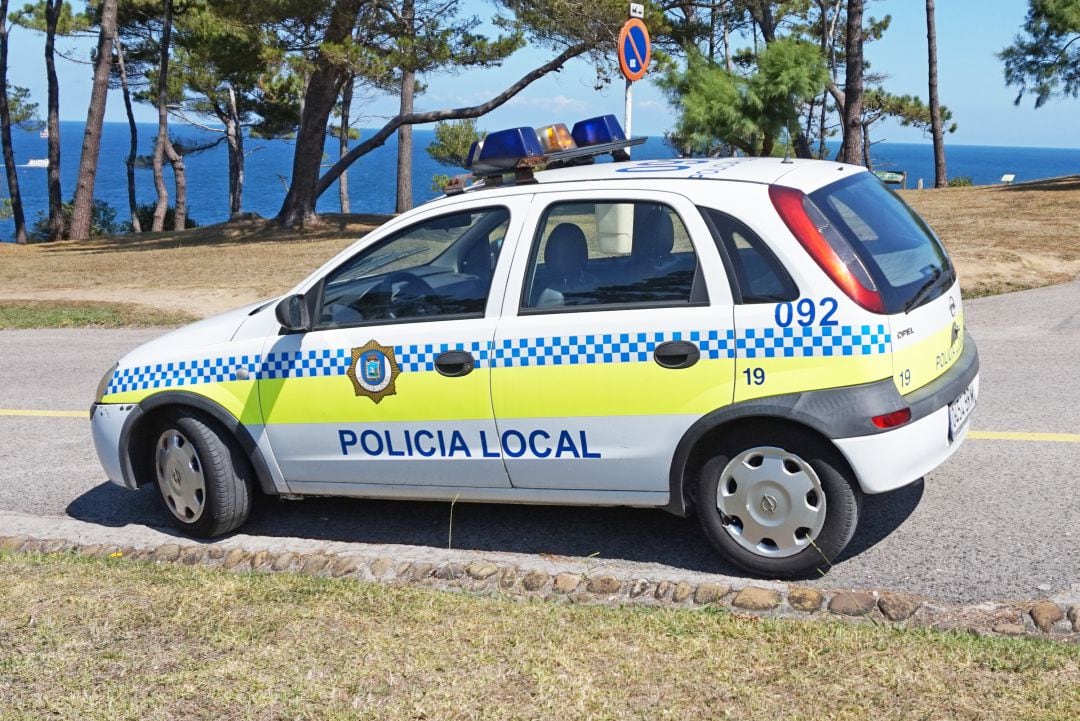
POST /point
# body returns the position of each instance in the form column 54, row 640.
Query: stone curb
column 1045, row 619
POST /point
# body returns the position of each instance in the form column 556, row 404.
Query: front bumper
column 107, row 422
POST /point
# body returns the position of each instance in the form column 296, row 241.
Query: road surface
column 1001, row 520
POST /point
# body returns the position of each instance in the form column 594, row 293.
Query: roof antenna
column 787, row 152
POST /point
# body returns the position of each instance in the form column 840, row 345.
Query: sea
column 372, row 178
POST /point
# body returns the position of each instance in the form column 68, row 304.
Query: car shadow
column 627, row 534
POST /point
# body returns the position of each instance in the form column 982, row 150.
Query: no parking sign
column 635, row 49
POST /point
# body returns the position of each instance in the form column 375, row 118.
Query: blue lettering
column 390, row 447
column 538, row 452
column 364, row 443
column 408, row 444
column 511, row 453
column 566, row 444
column 484, row 446
column 442, row 444
column 457, row 443
column 347, row 440
column 585, row 447
column 426, row 453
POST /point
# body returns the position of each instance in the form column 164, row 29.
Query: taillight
column 892, row 420
column 826, row 246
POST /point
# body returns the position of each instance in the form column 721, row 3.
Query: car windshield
column 903, row 255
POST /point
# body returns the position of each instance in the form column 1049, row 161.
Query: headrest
column 654, row 234
column 567, row 251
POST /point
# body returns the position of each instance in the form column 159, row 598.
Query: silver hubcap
column 771, row 502
column 180, row 476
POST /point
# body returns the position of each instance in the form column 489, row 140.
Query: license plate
column 960, row 410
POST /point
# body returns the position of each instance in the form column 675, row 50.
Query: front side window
column 608, row 254
column 441, row 267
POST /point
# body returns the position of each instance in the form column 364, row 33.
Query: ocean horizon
column 372, row 179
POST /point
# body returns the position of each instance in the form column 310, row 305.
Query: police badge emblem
column 373, row 371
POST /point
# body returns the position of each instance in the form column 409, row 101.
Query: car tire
column 202, row 475
column 815, row 494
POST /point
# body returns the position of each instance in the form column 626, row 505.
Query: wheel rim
column 180, row 476
column 771, row 502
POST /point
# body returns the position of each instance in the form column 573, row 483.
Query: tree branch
column 434, row 116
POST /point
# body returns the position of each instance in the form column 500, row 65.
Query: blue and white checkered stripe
column 421, row 357
column 584, row 349
column 822, row 341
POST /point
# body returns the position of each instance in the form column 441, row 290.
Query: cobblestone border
column 1045, row 619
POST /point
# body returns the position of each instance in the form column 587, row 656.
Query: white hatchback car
column 759, row 342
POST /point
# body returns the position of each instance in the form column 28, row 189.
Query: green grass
column 113, row 639
column 21, row 314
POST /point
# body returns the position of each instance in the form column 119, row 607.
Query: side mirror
column 292, row 312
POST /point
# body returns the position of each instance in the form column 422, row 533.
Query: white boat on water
column 36, row 163
column 44, row 134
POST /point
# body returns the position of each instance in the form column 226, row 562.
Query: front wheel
column 778, row 504
column 203, row 477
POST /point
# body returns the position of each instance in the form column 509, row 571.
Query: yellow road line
column 1014, row 436
column 974, row 435
column 43, row 414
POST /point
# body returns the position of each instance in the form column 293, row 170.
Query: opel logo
column 768, row 504
column 952, row 307
column 176, row 476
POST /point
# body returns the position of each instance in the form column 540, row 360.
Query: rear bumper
column 892, row 459
column 887, row 461
column 107, row 422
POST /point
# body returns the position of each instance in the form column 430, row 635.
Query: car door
column 391, row 386
column 616, row 337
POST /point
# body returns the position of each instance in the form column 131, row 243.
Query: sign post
column 635, row 51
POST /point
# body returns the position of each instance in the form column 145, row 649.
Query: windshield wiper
column 924, row 290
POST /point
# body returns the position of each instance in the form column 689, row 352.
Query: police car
column 755, row 341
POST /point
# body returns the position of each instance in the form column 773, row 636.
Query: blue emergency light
column 519, row 149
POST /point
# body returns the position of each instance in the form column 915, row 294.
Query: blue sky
column 971, row 81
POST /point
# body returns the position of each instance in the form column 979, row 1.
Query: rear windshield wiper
column 924, row 290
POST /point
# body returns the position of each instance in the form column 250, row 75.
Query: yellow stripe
column 1038, row 437
column 43, row 414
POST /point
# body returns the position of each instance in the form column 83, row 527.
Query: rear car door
column 391, row 386
column 616, row 336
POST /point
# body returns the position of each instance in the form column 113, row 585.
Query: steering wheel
column 407, row 295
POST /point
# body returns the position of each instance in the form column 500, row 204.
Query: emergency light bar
column 521, row 149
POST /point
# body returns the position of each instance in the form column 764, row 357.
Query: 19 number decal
column 754, row 376
column 905, row 378
column 805, row 312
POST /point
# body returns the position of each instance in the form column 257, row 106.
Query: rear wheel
column 778, row 503
column 203, row 477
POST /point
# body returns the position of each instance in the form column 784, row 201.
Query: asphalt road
column 1001, row 520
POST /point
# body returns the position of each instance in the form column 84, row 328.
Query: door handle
column 676, row 354
column 455, row 363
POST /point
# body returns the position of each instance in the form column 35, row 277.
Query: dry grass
column 102, row 639
column 198, row 272
column 1006, row 238
column 1002, row 238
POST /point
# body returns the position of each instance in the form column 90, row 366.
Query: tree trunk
column 323, row 86
column 161, row 207
column 408, row 92
column 56, row 198
column 234, row 137
column 404, row 148
column 83, row 206
column 180, row 181
column 866, row 146
column 940, row 178
column 5, row 132
column 133, row 146
column 851, row 152
column 343, row 141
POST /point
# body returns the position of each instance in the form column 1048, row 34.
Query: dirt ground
column 1002, row 238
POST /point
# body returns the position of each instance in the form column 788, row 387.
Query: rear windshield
column 906, row 260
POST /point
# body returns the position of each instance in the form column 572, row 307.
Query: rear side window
column 604, row 255
column 902, row 254
column 760, row 276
